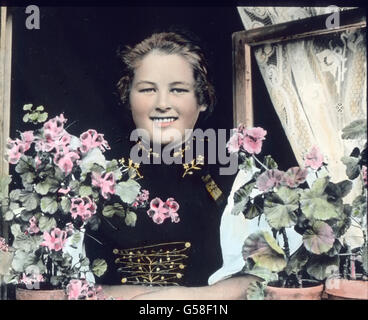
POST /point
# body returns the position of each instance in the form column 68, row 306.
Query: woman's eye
column 147, row 90
column 179, row 90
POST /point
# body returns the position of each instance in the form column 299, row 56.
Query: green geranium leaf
column 256, row 290
column 245, row 163
column 128, row 190
column 27, row 107
column 359, row 206
column 25, row 215
column 352, row 166
column 320, row 267
column 26, row 117
column 22, row 260
column 40, row 108
column 94, row 222
column 130, row 218
column 338, row 190
column 112, row 166
column 319, row 239
column 263, row 249
column 49, row 205
column 110, row 210
column 356, row 129
column 270, row 163
column 15, row 194
column 76, row 238
column 252, row 210
column 99, row 267
column 279, row 208
column 265, row 274
column 74, row 186
column 314, row 202
column 46, row 223
column 15, row 230
column 8, row 215
column 94, row 156
column 42, row 117
column 297, row 261
column 29, row 200
column 59, row 174
column 23, row 165
column 85, row 191
column 241, row 198
column 27, row 243
column 28, row 177
column 42, row 188
column 354, row 236
column 65, row 204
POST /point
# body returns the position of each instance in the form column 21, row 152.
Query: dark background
column 70, row 65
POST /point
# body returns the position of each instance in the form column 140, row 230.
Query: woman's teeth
column 164, row 120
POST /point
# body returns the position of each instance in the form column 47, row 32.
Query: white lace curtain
column 317, row 86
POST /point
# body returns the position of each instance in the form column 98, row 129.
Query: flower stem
column 255, row 158
column 286, row 243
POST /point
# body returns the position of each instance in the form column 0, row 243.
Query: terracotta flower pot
column 307, row 293
column 344, row 289
column 27, row 294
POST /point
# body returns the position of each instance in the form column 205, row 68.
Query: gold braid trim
column 153, row 264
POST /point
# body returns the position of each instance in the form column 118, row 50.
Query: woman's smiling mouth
column 163, row 122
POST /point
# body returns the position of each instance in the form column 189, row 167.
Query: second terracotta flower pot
column 307, row 293
column 344, row 289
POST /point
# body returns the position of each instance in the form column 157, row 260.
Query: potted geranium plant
column 350, row 280
column 308, row 216
column 65, row 180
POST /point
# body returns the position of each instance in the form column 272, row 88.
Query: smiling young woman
column 166, row 87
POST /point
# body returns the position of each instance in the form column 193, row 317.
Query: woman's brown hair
column 169, row 43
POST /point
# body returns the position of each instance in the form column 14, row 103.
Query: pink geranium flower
column 314, row 159
column 33, row 227
column 106, row 182
column 4, row 247
column 364, row 174
column 64, row 160
column 141, row 199
column 31, row 279
column 27, row 139
column 294, row 177
column 159, row 210
column 64, row 191
column 83, row 207
column 54, row 240
column 91, row 139
column 235, row 142
column 269, row 179
column 15, row 149
column 54, row 128
column 77, row 289
column 252, row 141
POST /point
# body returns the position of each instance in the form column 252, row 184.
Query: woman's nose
column 162, row 102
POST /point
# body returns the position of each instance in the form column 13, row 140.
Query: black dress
column 184, row 253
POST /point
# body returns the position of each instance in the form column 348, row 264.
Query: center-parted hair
column 168, row 43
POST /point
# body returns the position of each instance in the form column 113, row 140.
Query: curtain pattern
column 317, row 85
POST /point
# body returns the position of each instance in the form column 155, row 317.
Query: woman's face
column 162, row 97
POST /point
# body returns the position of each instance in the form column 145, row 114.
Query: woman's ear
column 203, row 107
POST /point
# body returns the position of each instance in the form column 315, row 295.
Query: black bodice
column 183, row 253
